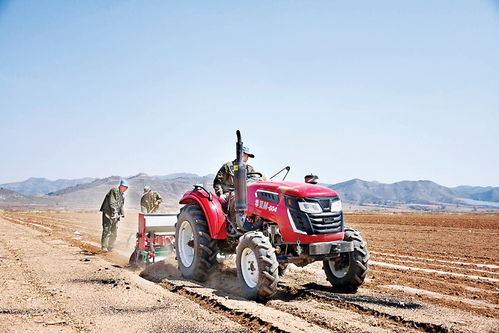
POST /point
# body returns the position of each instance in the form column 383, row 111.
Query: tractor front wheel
column 348, row 272
column 195, row 249
column 283, row 267
column 257, row 266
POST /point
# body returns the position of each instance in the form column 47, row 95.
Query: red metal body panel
column 278, row 213
column 142, row 239
column 212, row 210
column 295, row 188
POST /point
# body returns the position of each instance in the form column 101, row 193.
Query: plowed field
column 428, row 272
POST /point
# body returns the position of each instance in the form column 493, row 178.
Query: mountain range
column 92, row 194
column 40, row 186
column 87, row 193
column 415, row 193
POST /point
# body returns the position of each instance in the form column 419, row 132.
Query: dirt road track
column 438, row 288
column 48, row 285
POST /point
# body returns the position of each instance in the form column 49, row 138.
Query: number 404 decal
column 265, row 205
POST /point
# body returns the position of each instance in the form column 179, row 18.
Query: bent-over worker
column 149, row 203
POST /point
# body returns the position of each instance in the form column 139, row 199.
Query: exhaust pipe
column 241, row 200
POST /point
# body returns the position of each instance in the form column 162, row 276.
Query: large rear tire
column 257, row 266
column 196, row 250
column 348, row 273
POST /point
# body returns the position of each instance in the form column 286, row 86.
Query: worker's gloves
column 115, row 216
column 223, row 198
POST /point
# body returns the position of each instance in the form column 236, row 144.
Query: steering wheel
column 252, row 174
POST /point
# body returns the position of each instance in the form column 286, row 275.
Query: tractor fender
column 212, row 210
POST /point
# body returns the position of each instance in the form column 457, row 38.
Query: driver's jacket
column 224, row 180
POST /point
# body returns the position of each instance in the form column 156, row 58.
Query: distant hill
column 422, row 192
column 9, row 198
column 7, row 195
column 92, row 194
column 490, row 195
column 480, row 193
column 40, row 186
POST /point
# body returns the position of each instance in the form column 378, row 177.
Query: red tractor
column 290, row 222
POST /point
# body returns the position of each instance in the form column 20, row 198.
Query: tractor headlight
column 336, row 206
column 310, row 207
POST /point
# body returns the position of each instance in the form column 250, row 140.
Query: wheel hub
column 249, row 267
column 185, row 244
column 340, row 268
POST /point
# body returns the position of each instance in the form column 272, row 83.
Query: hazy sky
column 377, row 90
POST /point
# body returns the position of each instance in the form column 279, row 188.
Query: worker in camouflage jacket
column 224, row 185
column 224, row 180
column 112, row 209
column 149, row 203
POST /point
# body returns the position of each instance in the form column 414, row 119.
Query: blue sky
column 377, row 90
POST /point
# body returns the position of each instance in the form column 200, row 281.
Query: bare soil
column 428, row 272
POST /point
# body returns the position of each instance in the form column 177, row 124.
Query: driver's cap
column 246, row 150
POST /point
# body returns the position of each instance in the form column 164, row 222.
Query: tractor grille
column 314, row 224
column 326, row 224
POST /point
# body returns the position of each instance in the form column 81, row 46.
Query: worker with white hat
column 149, row 203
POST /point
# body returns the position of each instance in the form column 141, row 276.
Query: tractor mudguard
column 212, row 210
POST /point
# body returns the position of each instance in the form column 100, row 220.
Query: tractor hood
column 294, row 188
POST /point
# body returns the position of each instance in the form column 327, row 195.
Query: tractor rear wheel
column 257, row 266
column 195, row 249
column 349, row 272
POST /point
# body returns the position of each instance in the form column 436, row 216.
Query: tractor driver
column 224, row 182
